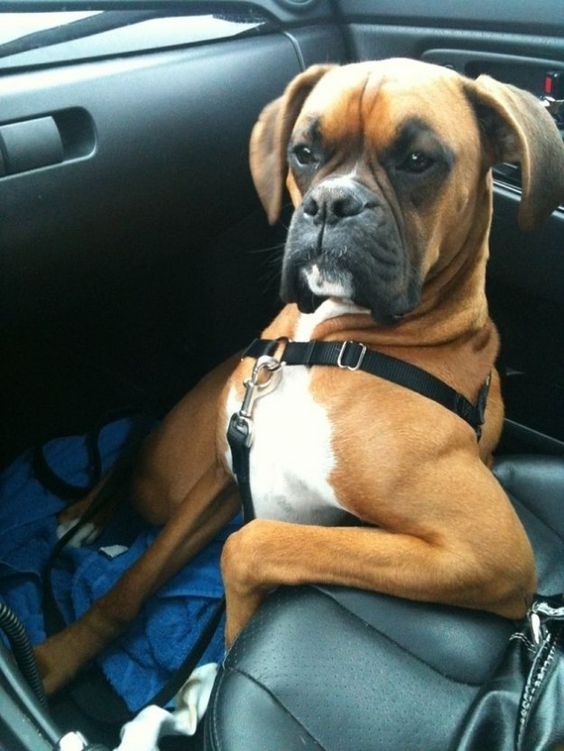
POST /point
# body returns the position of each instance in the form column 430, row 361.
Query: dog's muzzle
column 344, row 242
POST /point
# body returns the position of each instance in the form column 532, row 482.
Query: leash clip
column 265, row 377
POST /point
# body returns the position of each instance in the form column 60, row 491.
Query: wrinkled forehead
column 374, row 99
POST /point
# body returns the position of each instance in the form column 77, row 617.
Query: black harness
column 348, row 355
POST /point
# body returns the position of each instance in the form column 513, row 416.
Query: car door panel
column 137, row 250
column 495, row 15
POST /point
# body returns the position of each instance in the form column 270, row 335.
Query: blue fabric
column 141, row 661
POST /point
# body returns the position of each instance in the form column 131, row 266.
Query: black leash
column 179, row 678
column 240, row 431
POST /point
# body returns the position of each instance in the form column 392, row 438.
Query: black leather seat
column 343, row 670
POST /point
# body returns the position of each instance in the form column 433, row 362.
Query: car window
column 33, row 39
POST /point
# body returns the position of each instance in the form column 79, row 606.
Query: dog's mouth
column 323, row 284
column 306, row 300
column 315, row 284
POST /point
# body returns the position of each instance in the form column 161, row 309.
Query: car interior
column 136, row 256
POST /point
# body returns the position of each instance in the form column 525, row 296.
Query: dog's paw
column 84, row 535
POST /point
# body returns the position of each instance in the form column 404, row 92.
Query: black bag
column 521, row 708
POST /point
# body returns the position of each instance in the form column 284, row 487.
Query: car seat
column 331, row 668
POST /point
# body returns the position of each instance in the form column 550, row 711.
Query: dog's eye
column 304, row 155
column 416, row 162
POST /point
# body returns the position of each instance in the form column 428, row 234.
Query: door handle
column 47, row 140
column 30, row 144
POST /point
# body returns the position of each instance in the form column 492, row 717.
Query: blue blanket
column 140, row 662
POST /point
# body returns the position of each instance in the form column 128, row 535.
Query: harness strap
column 355, row 356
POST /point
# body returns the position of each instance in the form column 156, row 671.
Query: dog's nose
column 330, row 204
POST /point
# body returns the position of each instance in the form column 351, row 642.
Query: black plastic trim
column 320, row 43
column 533, row 440
column 542, row 17
column 521, row 259
column 519, row 70
column 378, row 41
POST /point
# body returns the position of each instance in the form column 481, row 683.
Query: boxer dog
column 357, row 481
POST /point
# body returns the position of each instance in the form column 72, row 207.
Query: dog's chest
column 291, row 458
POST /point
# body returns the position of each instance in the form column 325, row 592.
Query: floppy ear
column 519, row 129
column 270, row 137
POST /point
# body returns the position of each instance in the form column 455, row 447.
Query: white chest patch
column 291, row 457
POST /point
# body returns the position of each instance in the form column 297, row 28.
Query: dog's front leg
column 212, row 502
column 265, row 554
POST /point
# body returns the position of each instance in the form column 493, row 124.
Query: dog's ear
column 270, row 137
column 519, row 129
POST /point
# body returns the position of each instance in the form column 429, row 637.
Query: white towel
column 143, row 732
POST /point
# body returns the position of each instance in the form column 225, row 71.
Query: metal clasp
column 537, row 629
column 362, row 352
column 265, row 377
column 542, row 611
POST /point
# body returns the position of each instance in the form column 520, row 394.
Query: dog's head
column 387, row 164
